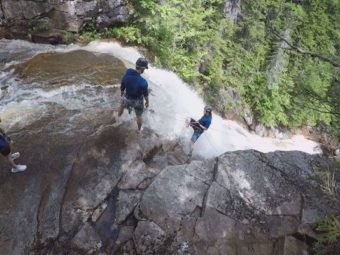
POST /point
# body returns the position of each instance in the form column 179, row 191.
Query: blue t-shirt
column 205, row 120
column 134, row 85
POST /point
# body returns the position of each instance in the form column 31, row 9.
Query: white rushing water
column 171, row 101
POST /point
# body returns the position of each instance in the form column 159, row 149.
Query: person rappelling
column 199, row 126
column 134, row 89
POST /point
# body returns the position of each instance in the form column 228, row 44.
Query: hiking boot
column 15, row 155
column 19, row 168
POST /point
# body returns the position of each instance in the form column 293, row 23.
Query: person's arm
column 122, row 87
column 205, row 124
column 203, row 127
column 146, row 102
column 146, row 94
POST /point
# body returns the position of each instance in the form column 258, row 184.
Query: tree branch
column 264, row 11
column 299, row 50
column 337, row 114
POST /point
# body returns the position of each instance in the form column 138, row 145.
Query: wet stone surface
column 96, row 186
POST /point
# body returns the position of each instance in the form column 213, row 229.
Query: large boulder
column 244, row 203
column 175, row 193
column 219, row 234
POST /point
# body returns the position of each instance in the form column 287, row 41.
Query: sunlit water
column 171, row 101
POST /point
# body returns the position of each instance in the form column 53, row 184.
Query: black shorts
column 5, row 151
column 137, row 105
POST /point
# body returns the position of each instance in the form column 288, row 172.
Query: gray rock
column 49, row 214
column 18, row 227
column 23, row 9
column 127, row 201
column 127, row 249
column 136, row 176
column 219, row 234
column 149, row 238
column 293, row 246
column 125, row 234
column 87, row 239
column 282, row 225
column 175, row 193
column 202, row 170
column 307, row 230
column 93, row 178
column 66, row 15
column 229, row 204
column 98, row 212
column 264, row 187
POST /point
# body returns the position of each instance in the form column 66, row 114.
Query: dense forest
column 278, row 59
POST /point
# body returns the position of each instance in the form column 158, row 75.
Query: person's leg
column 11, row 160
column 192, row 142
column 139, row 108
column 139, row 120
column 123, row 104
column 194, row 138
column 191, row 147
column 6, row 152
column 121, row 109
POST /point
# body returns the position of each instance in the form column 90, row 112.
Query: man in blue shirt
column 134, row 89
column 199, row 126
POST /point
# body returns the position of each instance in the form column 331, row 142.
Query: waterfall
column 171, row 101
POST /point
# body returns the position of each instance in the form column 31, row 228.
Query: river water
column 37, row 80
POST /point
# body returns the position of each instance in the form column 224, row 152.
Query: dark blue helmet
column 142, row 62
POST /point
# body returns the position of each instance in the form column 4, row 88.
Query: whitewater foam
column 171, row 101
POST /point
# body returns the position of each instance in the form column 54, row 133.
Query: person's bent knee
column 6, row 151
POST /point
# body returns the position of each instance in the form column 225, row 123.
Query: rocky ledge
column 54, row 21
column 118, row 192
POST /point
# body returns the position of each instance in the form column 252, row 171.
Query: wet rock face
column 97, row 186
column 88, row 198
column 45, row 21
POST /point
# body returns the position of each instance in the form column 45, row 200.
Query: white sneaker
column 15, row 155
column 19, row 168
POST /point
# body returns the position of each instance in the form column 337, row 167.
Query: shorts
column 195, row 136
column 136, row 104
column 5, row 151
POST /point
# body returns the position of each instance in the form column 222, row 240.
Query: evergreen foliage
column 281, row 85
